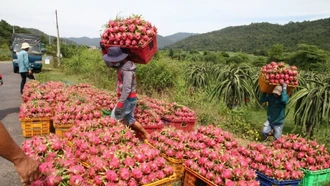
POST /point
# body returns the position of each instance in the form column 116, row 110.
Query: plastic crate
column 35, row 126
column 149, row 129
column 175, row 163
column 267, row 181
column 142, row 55
column 61, row 129
column 267, row 87
column 163, row 182
column 191, row 178
column 177, row 166
column 186, row 126
column 316, row 178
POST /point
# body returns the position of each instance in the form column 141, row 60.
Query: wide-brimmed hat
column 277, row 90
column 25, row 45
column 115, row 54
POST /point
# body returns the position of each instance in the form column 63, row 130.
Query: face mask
column 116, row 64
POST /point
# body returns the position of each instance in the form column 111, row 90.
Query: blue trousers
column 277, row 129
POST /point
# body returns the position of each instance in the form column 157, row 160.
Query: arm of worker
column 284, row 95
column 26, row 167
column 26, row 61
column 264, row 98
column 126, row 90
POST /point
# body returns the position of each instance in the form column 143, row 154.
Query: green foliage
column 311, row 105
column 236, row 121
column 258, row 38
column 311, row 58
column 322, row 135
column 5, row 53
column 179, row 55
column 198, row 75
column 276, row 53
column 259, row 61
column 156, row 75
column 237, row 59
column 225, row 54
column 6, row 31
column 89, row 63
column 233, row 85
column 214, row 57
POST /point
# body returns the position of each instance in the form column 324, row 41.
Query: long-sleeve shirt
column 23, row 61
column 276, row 107
column 126, row 83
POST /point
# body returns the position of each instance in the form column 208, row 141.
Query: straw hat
column 25, row 46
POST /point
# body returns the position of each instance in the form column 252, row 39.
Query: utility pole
column 13, row 29
column 58, row 41
column 49, row 40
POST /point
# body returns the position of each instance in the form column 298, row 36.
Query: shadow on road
column 5, row 112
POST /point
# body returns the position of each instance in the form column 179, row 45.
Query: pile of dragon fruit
column 131, row 32
column 96, row 152
column 68, row 104
column 99, row 150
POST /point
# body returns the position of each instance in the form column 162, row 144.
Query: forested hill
column 6, row 31
column 259, row 37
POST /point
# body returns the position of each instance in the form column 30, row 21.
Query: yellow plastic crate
column 35, row 126
column 267, row 87
column 163, row 182
column 191, row 177
column 61, row 129
column 177, row 166
column 175, row 163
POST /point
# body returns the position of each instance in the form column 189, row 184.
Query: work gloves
column 118, row 109
column 284, row 86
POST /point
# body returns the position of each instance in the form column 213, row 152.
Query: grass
column 49, row 73
column 259, row 116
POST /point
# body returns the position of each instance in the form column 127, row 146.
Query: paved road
column 10, row 102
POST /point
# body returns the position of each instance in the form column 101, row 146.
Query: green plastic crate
column 316, row 178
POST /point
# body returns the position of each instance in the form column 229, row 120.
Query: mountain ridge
column 257, row 38
column 162, row 41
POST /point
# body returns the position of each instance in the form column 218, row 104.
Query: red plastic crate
column 150, row 129
column 186, row 126
column 141, row 55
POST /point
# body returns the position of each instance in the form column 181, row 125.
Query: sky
column 88, row 17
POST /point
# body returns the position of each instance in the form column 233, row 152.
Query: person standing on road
column 126, row 88
column 26, row 167
column 275, row 112
column 1, row 81
column 23, row 65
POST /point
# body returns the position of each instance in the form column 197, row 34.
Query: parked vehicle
column 35, row 52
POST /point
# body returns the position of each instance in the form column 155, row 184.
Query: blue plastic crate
column 267, row 181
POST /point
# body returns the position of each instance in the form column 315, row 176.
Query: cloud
column 85, row 18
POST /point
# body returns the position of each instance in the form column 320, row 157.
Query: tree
column 310, row 57
column 171, row 53
column 259, row 61
column 276, row 53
